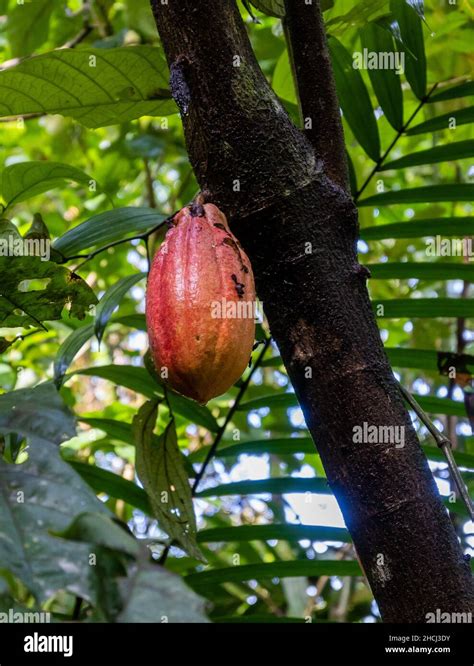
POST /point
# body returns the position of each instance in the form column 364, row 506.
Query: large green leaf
column 426, row 194
column 139, row 379
column 449, row 120
column 273, row 569
column 424, row 307
column 51, row 289
column 38, row 412
column 98, row 87
column 27, row 179
column 465, row 89
column 108, row 227
column 354, row 100
column 423, row 271
column 428, row 359
column 413, row 45
column 439, row 226
column 275, row 401
column 276, row 446
column 284, row 532
column 386, row 82
column 40, row 496
column 28, row 26
column 103, row 481
column 277, row 486
column 111, row 300
column 152, row 594
column 452, row 151
column 432, row 404
column 68, row 350
column 114, row 429
column 160, row 468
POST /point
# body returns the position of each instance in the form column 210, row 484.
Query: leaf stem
column 445, row 445
column 230, row 413
column 400, row 132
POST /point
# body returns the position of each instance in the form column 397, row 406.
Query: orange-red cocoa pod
column 200, row 305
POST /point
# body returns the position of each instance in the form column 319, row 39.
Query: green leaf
column 139, row 379
column 58, row 288
column 111, row 300
column 271, row 570
column 462, row 459
column 38, row 412
column 449, row 120
column 413, row 45
column 354, row 100
column 97, row 87
column 451, row 152
column 108, row 227
column 103, row 481
column 361, row 13
column 102, row 530
column 160, row 469
column 114, row 429
column 442, row 226
column 465, row 89
column 426, row 194
column 275, row 401
column 385, row 82
column 428, row 359
column 352, row 175
column 40, row 496
column 28, row 26
column 136, row 320
column 435, row 405
column 278, row 446
column 133, row 377
column 423, row 271
column 423, row 307
column 24, row 180
column 68, row 350
column 270, row 7
column 277, row 486
column 152, row 594
column 284, row 532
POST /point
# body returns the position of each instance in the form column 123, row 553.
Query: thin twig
column 400, row 132
column 445, row 445
column 229, row 416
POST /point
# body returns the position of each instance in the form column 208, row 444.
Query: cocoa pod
column 200, row 305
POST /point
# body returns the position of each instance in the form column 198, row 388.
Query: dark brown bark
column 264, row 174
column 316, row 88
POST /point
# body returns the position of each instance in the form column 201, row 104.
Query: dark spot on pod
column 197, row 210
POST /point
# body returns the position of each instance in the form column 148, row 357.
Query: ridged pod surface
column 200, row 305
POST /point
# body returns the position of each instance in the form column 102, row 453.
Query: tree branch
column 304, row 29
column 299, row 229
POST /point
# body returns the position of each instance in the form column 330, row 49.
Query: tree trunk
column 288, row 205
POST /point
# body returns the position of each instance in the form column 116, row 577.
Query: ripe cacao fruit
column 200, row 305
